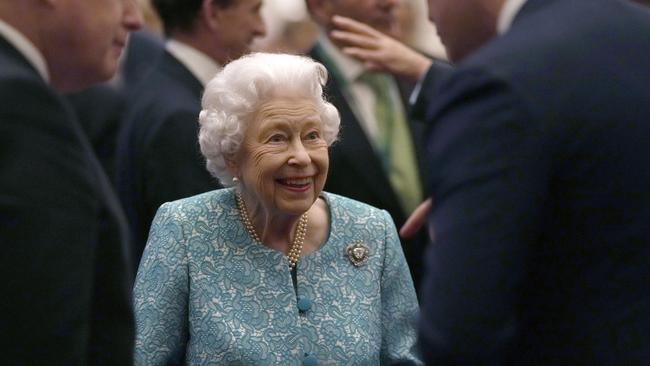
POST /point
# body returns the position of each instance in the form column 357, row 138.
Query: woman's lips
column 296, row 184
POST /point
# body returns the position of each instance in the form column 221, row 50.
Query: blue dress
column 207, row 293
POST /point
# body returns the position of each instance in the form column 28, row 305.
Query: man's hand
column 416, row 220
column 378, row 51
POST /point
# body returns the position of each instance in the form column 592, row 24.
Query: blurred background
column 289, row 28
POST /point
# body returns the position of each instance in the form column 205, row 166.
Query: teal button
column 304, row 304
column 309, row 360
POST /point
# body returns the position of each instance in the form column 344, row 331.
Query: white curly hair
column 231, row 98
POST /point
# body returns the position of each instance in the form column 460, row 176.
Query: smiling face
column 283, row 161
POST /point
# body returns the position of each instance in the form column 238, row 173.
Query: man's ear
column 210, row 14
column 321, row 10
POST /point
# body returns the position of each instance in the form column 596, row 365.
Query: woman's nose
column 299, row 155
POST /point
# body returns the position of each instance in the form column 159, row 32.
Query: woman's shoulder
column 353, row 222
column 201, row 204
column 353, row 210
column 348, row 203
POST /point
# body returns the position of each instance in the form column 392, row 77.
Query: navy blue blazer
column 158, row 156
column 99, row 110
column 66, row 282
column 142, row 52
column 426, row 91
column 539, row 148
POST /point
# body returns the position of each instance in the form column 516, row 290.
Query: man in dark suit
column 360, row 166
column 539, row 146
column 158, row 153
column 66, row 284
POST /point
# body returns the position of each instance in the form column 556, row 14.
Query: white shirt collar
column 509, row 11
column 202, row 66
column 349, row 68
column 26, row 48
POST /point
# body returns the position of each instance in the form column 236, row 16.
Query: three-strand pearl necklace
column 295, row 249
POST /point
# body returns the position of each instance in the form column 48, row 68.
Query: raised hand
column 378, row 51
column 416, row 220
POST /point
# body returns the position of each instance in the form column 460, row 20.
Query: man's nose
column 132, row 15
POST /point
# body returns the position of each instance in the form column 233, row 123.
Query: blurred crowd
column 325, row 182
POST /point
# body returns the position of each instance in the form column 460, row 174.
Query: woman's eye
column 313, row 135
column 276, row 138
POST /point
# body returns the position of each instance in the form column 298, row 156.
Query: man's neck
column 203, row 43
column 348, row 67
column 201, row 65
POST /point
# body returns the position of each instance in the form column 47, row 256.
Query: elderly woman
column 272, row 271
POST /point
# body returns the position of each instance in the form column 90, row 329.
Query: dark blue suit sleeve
column 490, row 171
column 425, row 90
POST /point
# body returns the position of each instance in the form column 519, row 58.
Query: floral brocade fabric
column 207, row 294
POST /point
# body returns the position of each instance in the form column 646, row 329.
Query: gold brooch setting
column 358, row 253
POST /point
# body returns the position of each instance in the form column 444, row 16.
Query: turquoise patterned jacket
column 207, row 294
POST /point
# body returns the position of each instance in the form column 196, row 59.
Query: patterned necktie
column 394, row 143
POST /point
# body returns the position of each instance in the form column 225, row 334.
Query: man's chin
column 235, row 54
column 386, row 27
column 107, row 72
column 85, row 80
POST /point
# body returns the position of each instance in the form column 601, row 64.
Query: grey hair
column 233, row 95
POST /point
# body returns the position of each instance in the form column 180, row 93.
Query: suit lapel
column 171, row 66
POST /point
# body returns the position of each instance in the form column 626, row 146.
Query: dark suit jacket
column 427, row 89
column 158, row 153
column 142, row 52
column 540, row 151
column 100, row 109
column 356, row 171
column 66, row 284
